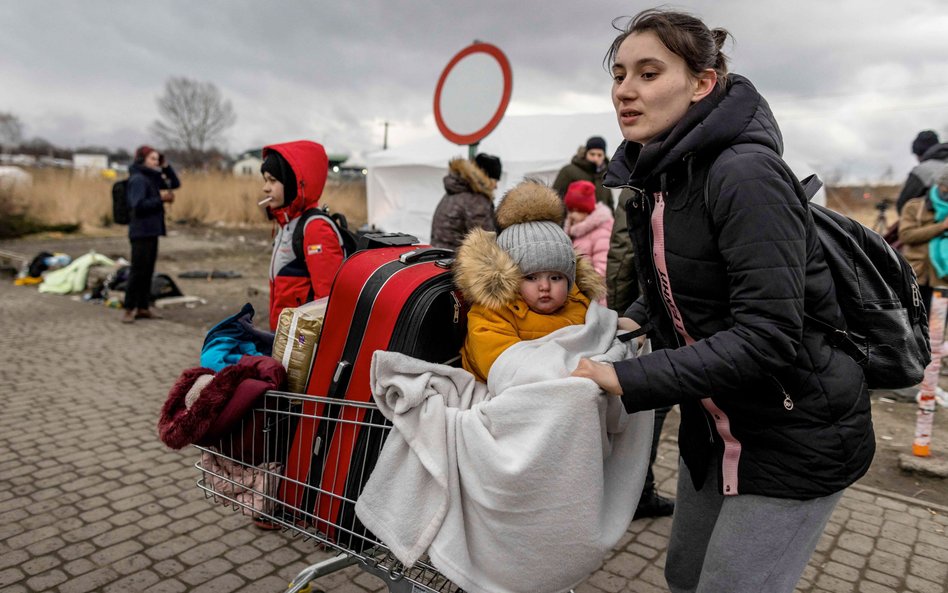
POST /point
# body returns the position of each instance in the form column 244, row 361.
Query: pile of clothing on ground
column 95, row 277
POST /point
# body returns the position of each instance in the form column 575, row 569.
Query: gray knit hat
column 539, row 246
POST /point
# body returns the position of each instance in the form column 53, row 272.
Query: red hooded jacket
column 294, row 281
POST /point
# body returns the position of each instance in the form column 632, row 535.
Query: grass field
column 60, row 196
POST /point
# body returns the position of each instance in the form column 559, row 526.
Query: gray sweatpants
column 740, row 544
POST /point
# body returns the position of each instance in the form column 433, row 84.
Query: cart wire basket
column 247, row 471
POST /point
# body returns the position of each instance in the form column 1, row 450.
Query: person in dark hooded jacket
column 150, row 182
column 294, row 174
column 468, row 201
column 932, row 157
column 775, row 421
column 588, row 164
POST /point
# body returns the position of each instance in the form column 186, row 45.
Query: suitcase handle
column 425, row 253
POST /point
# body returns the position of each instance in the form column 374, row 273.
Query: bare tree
column 11, row 130
column 194, row 116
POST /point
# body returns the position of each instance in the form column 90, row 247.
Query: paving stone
column 46, row 581
column 205, row 571
column 90, row 581
column 221, row 584
column 919, row 585
column 107, row 507
column 134, row 582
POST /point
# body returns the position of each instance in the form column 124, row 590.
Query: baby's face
column 545, row 292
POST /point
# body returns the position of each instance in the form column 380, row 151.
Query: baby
column 525, row 282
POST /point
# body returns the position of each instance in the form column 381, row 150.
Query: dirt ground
column 247, row 252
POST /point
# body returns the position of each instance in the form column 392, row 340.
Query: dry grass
column 859, row 204
column 62, row 196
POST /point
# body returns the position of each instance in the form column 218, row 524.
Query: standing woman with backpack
column 150, row 184
column 775, row 421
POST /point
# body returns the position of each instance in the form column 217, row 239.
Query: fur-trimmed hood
column 600, row 215
column 488, row 276
column 465, row 176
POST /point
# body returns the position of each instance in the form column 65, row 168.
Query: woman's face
column 652, row 87
column 272, row 189
column 152, row 160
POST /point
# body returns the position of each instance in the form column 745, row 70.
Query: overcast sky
column 851, row 81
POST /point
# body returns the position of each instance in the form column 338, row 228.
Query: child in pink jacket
column 588, row 223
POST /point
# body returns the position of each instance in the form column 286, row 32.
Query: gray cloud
column 852, row 81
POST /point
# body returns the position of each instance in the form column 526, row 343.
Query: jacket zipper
column 787, row 400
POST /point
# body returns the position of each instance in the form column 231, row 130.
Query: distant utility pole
column 385, row 137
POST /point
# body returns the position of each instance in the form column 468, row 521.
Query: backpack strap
column 810, row 185
column 336, row 221
column 837, row 337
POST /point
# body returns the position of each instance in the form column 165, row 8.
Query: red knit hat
column 580, row 195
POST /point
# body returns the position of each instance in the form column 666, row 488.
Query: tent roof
column 518, row 138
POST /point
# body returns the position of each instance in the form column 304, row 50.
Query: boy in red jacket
column 294, row 174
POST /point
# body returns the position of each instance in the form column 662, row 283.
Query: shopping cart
column 246, row 471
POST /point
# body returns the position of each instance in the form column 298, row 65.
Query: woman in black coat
column 775, row 421
column 150, row 182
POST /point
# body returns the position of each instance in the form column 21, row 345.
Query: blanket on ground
column 521, row 485
column 73, row 277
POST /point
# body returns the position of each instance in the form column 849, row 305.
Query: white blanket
column 524, row 485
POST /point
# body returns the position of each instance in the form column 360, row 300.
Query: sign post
column 472, row 94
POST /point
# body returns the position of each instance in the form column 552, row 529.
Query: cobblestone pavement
column 90, row 500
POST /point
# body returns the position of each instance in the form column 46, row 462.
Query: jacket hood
column 600, row 215
column 939, row 152
column 488, row 276
column 143, row 170
column 735, row 113
column 465, row 176
column 311, row 166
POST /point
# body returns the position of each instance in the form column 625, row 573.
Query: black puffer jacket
column 725, row 292
column 923, row 175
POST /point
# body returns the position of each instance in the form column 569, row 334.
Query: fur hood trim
column 472, row 174
column 488, row 276
column 530, row 201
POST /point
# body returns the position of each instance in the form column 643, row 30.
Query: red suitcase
column 392, row 298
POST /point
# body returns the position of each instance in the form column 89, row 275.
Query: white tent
column 405, row 183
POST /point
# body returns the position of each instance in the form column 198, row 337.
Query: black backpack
column 350, row 241
column 887, row 325
column 120, row 211
column 347, row 239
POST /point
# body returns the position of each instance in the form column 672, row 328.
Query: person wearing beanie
column 294, row 174
column 588, row 164
column 490, row 165
column 524, row 282
column 468, row 201
column 589, row 225
column 932, row 155
column 150, row 183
